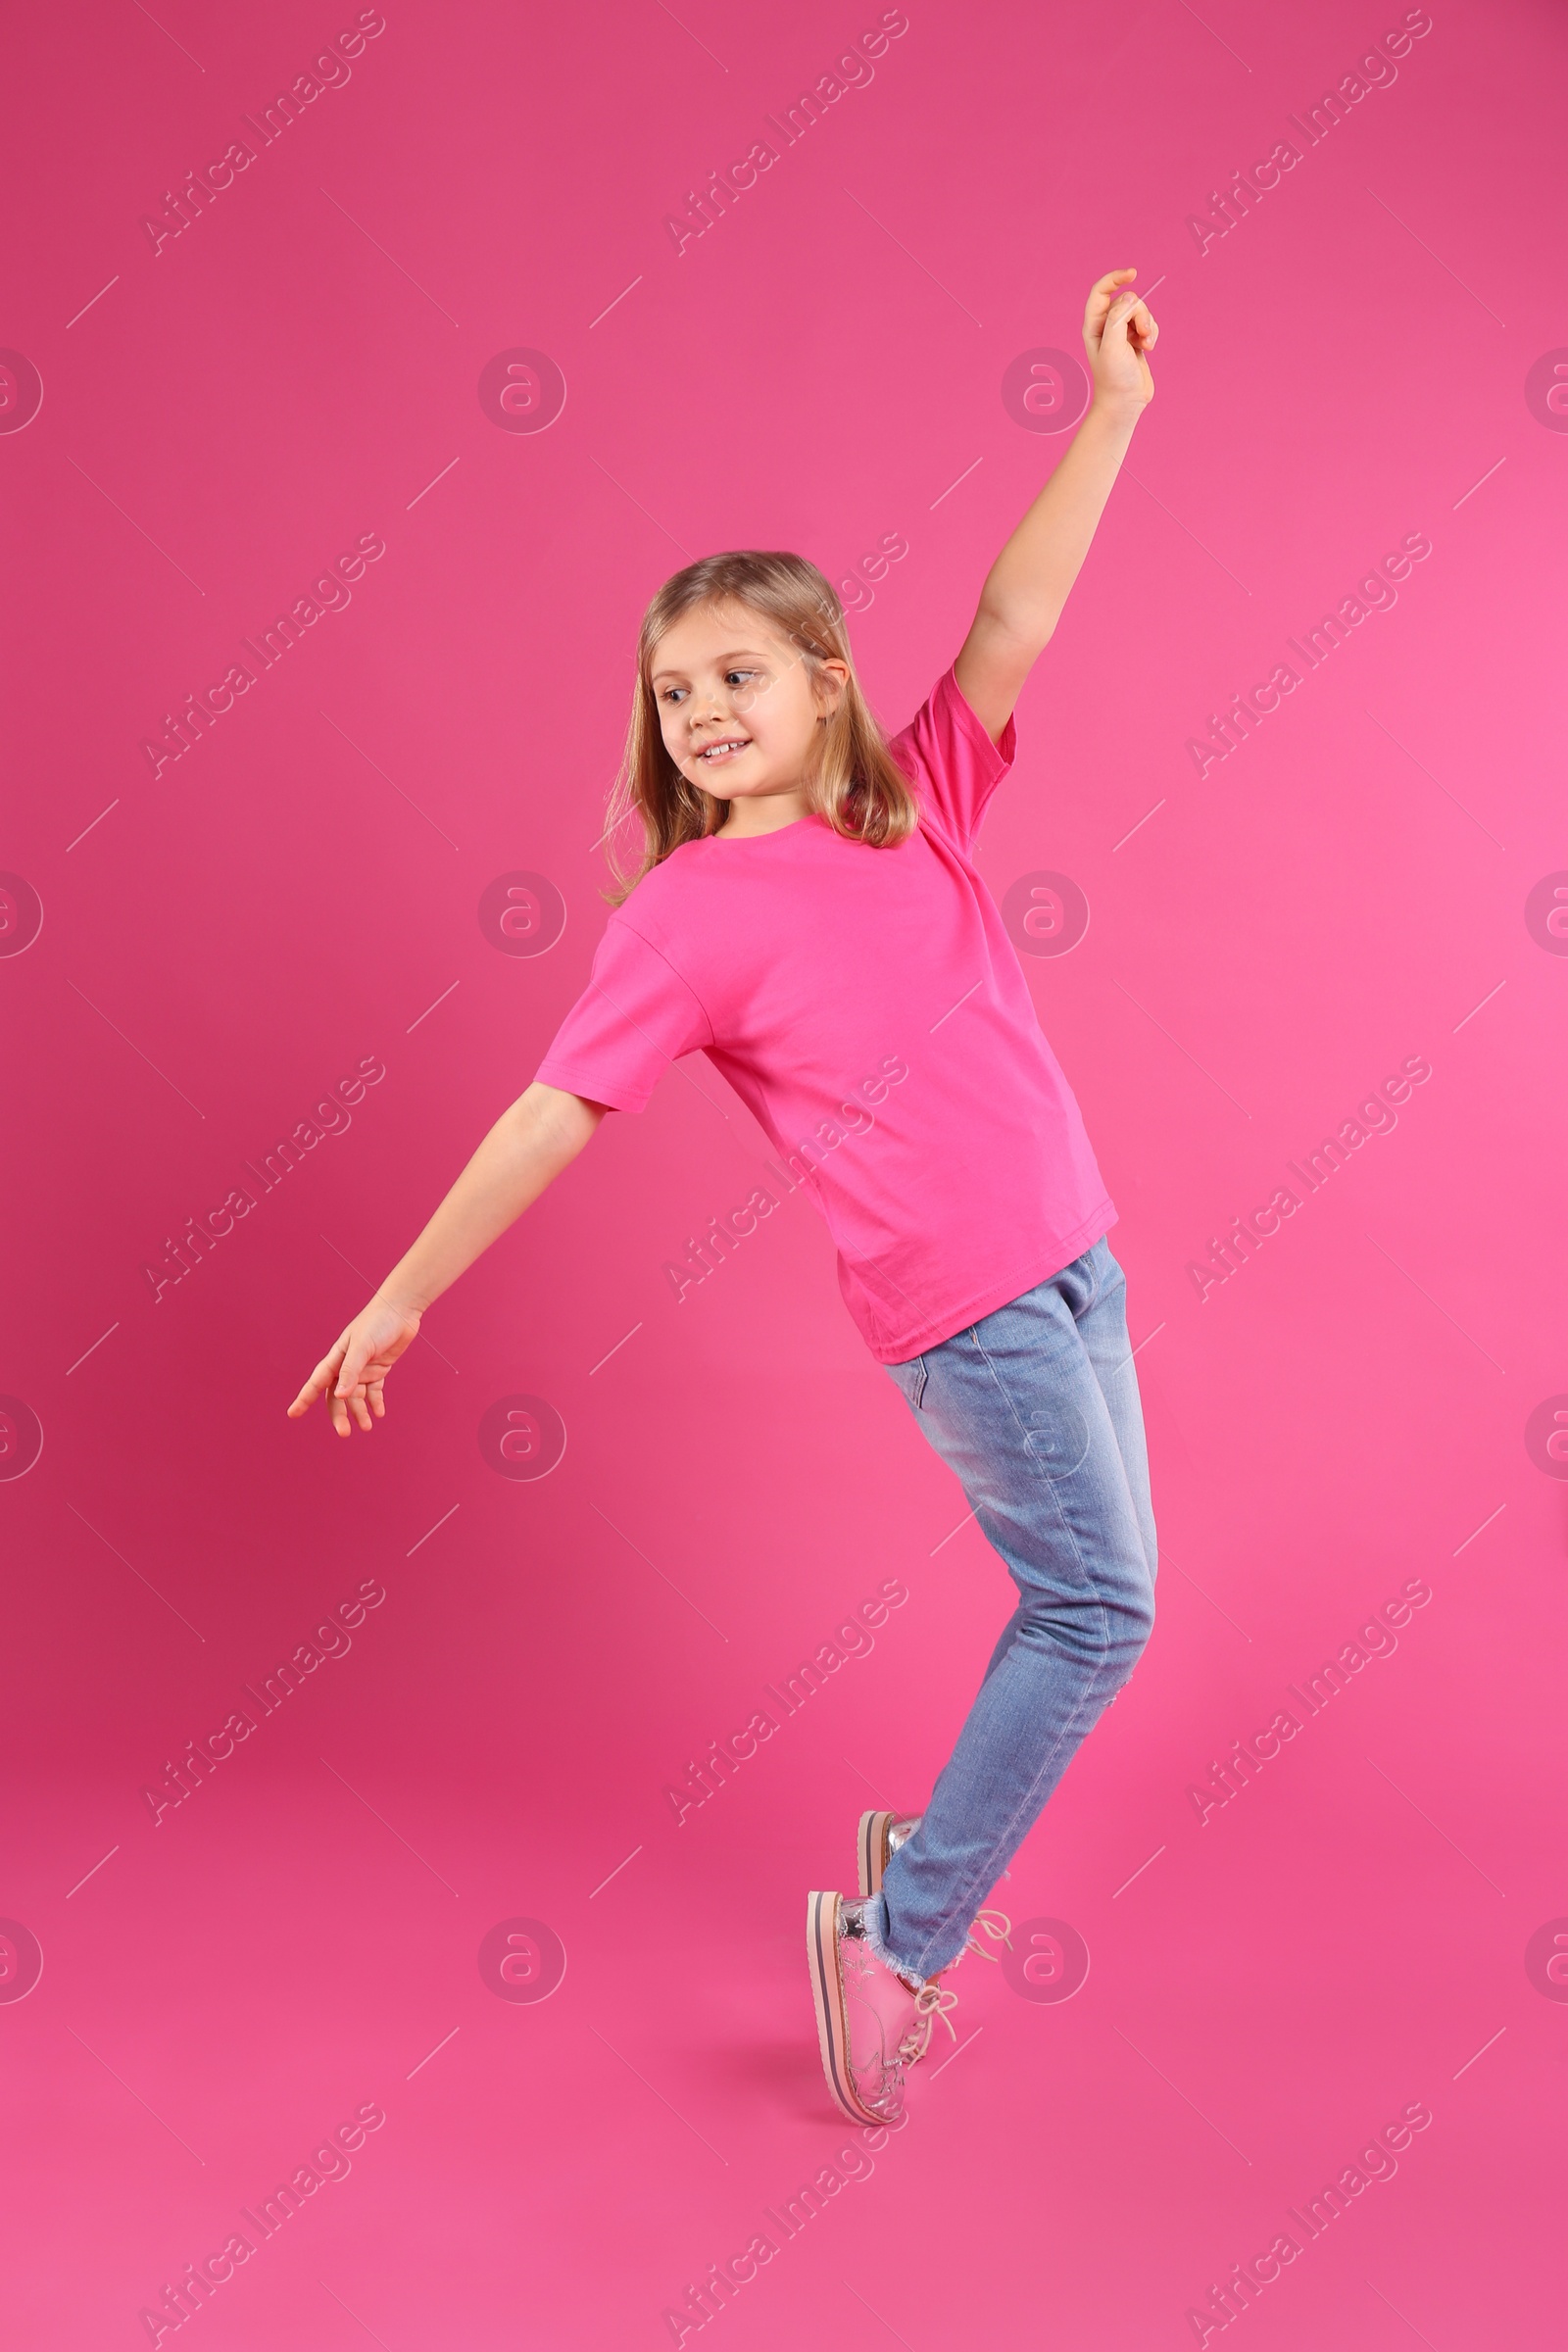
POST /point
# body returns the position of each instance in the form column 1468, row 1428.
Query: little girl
column 807, row 912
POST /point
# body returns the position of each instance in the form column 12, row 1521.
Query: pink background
column 220, row 943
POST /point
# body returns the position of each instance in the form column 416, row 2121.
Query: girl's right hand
column 351, row 1375
column 1118, row 335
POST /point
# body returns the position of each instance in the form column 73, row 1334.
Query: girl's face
column 736, row 706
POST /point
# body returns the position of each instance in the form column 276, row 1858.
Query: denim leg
column 1103, row 1332
column 1035, row 1408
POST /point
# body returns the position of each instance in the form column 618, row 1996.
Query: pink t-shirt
column 867, row 1006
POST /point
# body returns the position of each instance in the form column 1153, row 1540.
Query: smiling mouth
column 713, row 754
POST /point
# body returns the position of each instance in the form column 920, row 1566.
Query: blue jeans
column 1036, row 1409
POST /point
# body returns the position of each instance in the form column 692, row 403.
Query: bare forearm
column 1031, row 579
column 525, row 1152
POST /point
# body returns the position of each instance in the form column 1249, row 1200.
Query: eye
column 671, row 694
column 731, row 676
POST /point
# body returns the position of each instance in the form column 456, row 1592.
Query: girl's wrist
column 1115, row 412
column 401, row 1300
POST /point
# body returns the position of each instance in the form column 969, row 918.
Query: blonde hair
column 852, row 780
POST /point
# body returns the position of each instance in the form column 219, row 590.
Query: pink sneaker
column 871, row 2022
column 881, row 1835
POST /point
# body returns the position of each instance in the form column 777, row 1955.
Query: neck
column 747, row 818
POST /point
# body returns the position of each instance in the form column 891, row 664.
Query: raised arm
column 1028, row 584
column 525, row 1152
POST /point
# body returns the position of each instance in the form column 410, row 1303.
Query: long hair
column 852, row 780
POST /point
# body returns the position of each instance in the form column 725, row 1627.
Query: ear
column 830, row 679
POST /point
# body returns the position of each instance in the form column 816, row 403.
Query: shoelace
column 933, row 2000
column 994, row 1923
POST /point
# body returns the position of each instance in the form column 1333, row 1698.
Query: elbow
column 1023, row 626
column 570, row 1120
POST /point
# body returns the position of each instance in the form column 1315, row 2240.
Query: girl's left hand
column 1119, row 330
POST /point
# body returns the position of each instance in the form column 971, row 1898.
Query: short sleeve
column 952, row 760
column 634, row 1018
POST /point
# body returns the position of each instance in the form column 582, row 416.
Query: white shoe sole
column 827, row 1992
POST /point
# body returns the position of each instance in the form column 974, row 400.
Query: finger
column 358, row 1355
column 1103, row 293
column 339, row 1413
column 377, row 1401
column 361, row 1414
column 1113, row 327
column 319, row 1382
